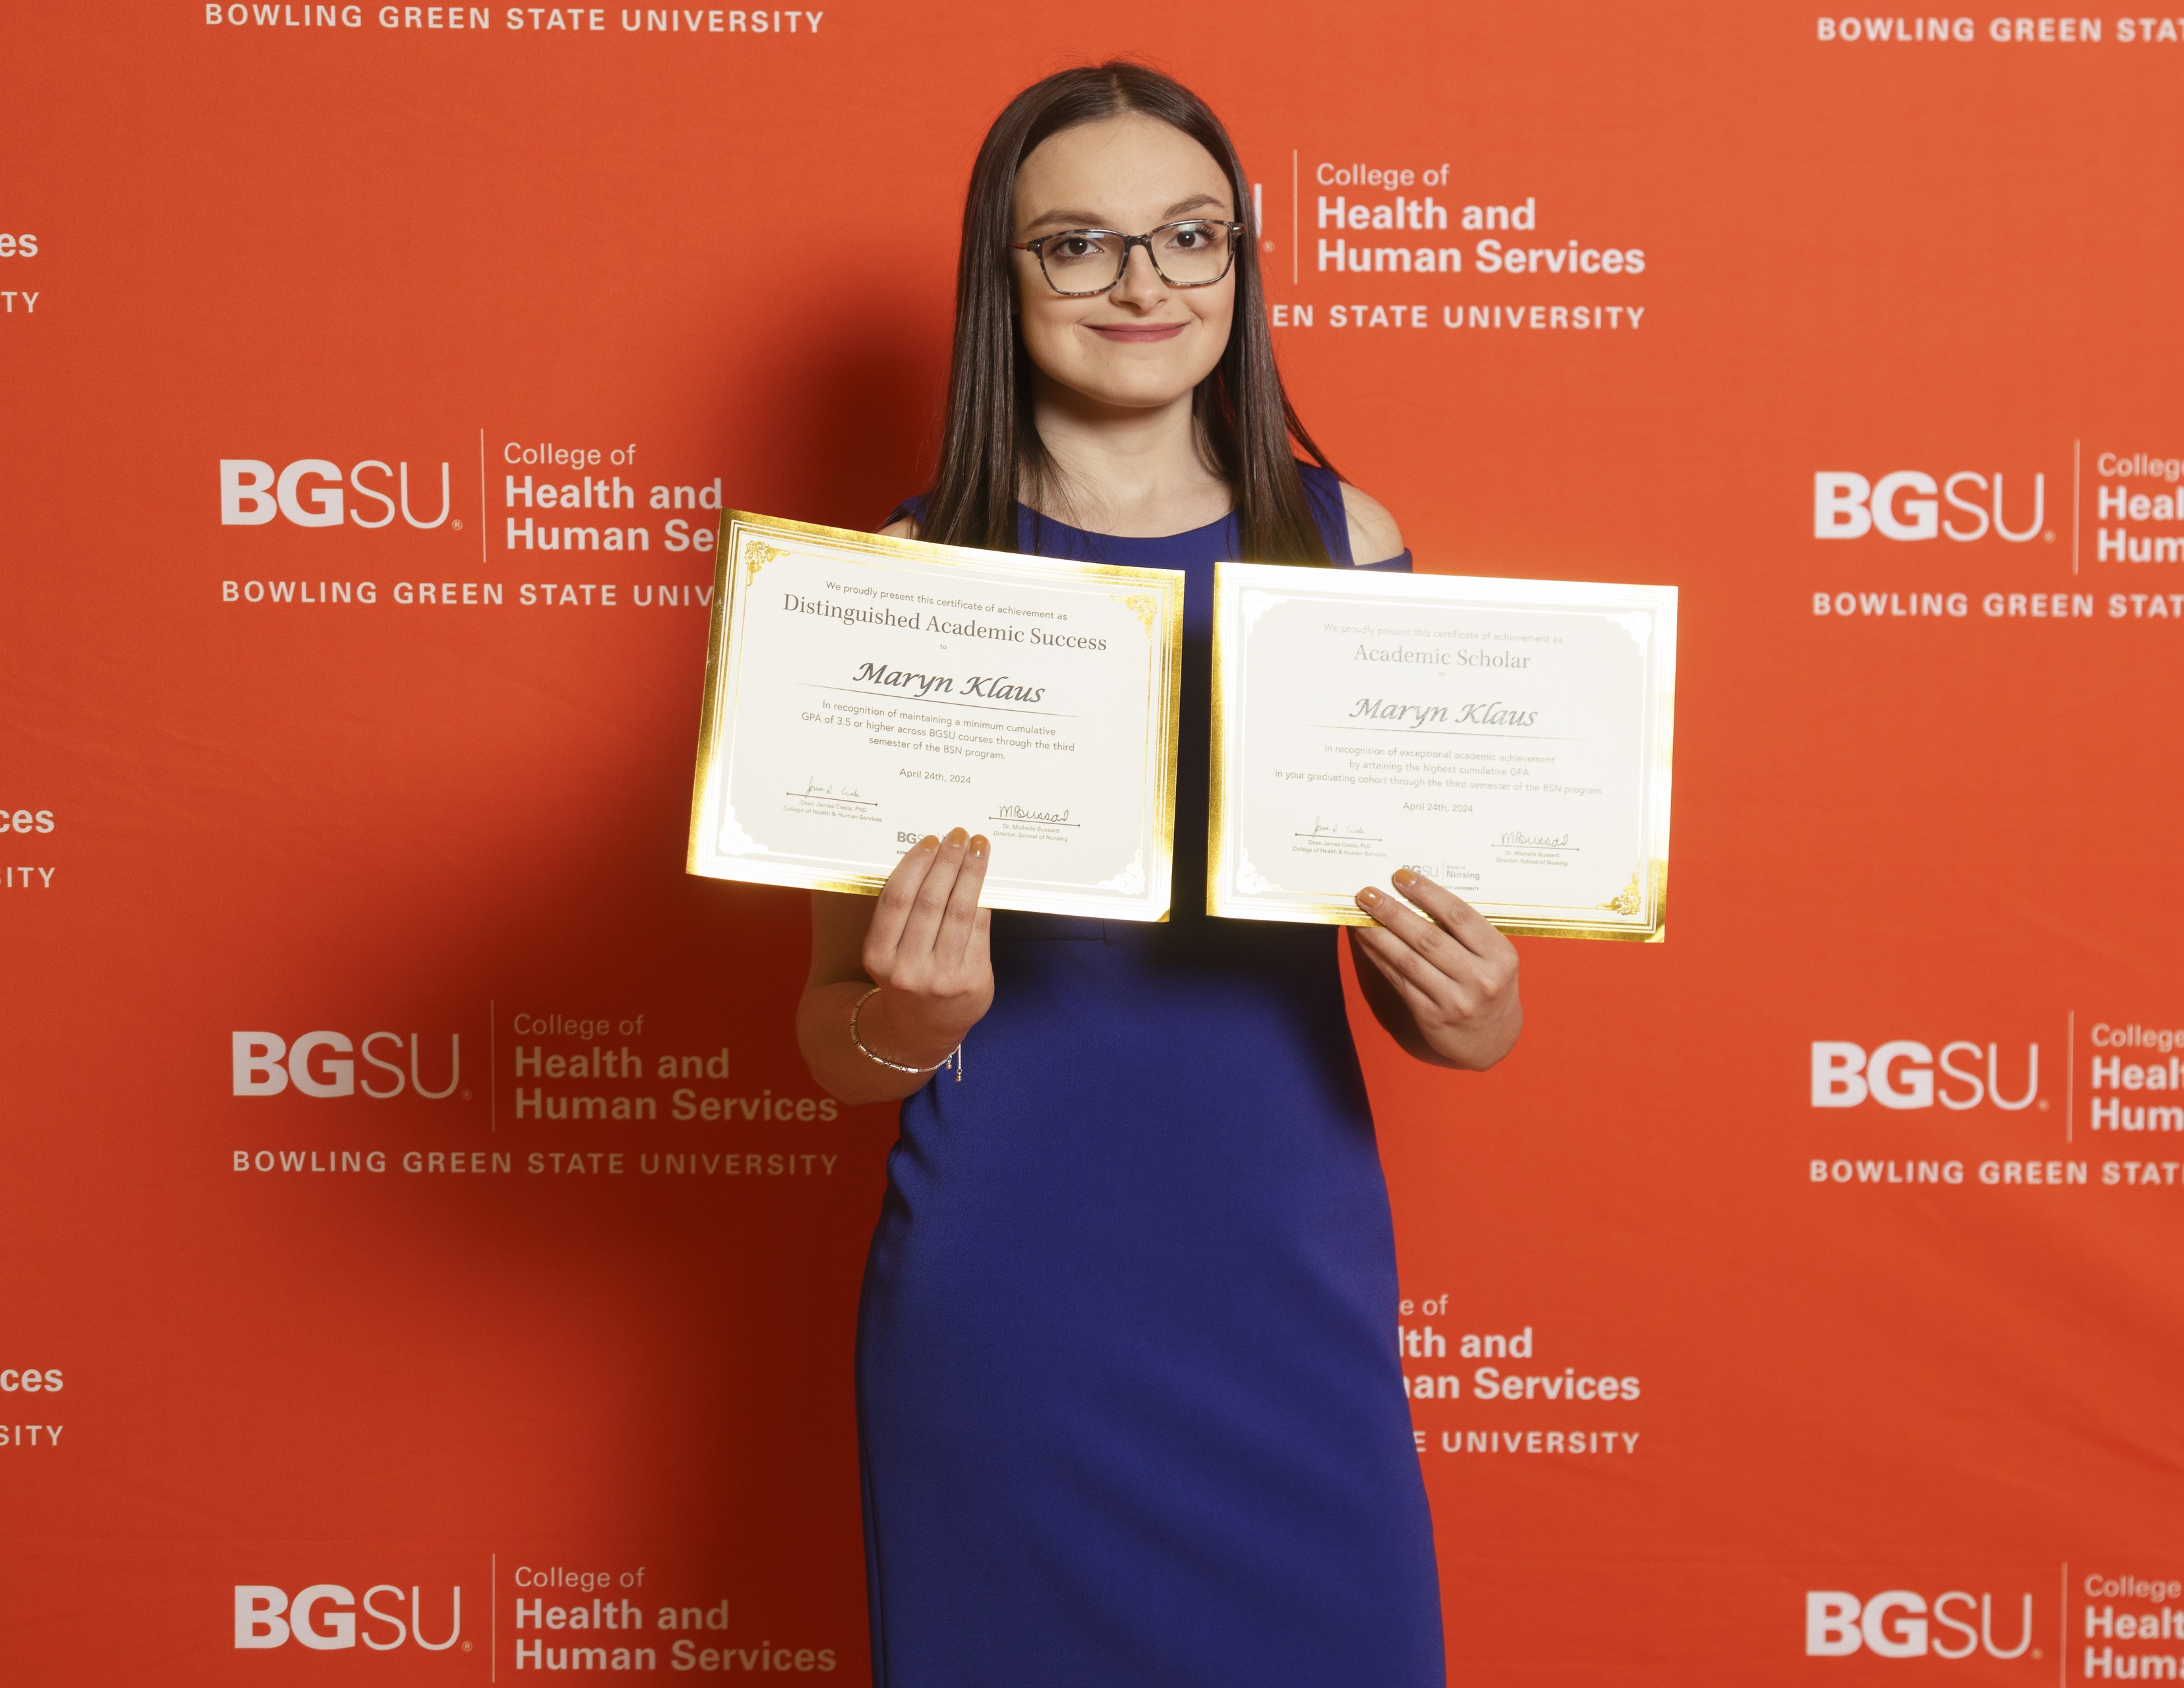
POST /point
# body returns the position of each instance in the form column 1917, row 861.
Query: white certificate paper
column 862, row 692
column 1507, row 739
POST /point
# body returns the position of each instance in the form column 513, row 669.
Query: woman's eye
column 1074, row 248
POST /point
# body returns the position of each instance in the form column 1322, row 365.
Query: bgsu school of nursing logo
column 1903, row 1624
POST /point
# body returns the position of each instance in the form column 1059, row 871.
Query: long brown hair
column 989, row 449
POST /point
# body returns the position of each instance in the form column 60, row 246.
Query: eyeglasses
column 1081, row 262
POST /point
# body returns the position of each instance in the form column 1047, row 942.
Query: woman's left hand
column 1446, row 987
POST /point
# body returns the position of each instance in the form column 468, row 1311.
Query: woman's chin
column 1133, row 389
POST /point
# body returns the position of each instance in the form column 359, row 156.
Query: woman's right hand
column 926, row 950
column 923, row 942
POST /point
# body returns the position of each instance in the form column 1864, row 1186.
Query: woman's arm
column 932, row 993
column 923, row 942
column 1445, row 989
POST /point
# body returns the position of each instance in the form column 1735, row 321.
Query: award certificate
column 1507, row 739
column 862, row 692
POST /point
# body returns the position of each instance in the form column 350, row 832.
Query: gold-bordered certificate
column 862, row 692
column 1507, row 739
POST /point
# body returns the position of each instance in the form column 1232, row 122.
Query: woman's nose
column 1141, row 283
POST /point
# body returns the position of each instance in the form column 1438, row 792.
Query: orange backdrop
column 370, row 1355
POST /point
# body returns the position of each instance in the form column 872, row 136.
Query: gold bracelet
column 866, row 1049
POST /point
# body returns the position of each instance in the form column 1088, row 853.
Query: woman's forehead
column 1132, row 168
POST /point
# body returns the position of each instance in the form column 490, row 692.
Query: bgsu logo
column 308, row 493
column 1895, row 1625
column 1903, row 506
column 324, row 1616
column 319, row 1064
column 1904, row 1073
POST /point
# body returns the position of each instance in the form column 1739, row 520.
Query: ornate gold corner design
column 1142, row 604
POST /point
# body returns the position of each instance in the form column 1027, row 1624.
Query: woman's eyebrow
column 1091, row 220
column 1073, row 220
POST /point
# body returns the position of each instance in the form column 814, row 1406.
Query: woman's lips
column 1133, row 333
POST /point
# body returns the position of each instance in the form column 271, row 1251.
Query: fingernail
column 1404, row 878
column 955, row 837
column 928, row 842
column 1369, row 897
column 979, row 845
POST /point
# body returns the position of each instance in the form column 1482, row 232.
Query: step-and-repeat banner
column 425, row 1255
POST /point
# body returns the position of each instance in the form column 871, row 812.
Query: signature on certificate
column 1348, row 833
column 816, row 791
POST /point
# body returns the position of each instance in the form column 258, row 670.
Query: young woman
column 1129, row 1408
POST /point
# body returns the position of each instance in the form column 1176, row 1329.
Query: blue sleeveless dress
column 1129, row 1398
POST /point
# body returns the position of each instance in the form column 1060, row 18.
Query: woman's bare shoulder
column 905, row 529
column 1374, row 537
